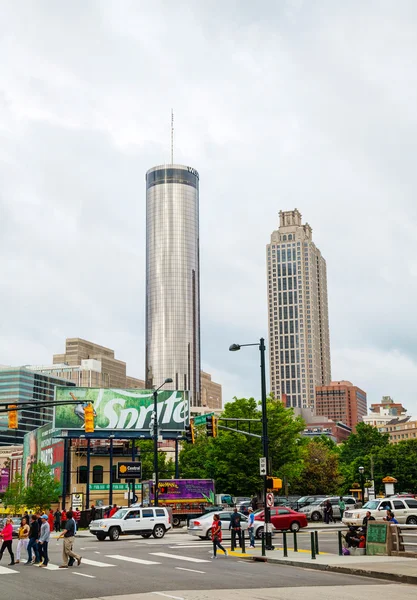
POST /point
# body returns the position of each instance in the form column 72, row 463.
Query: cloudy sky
column 278, row 104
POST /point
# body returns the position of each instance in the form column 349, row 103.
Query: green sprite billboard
column 121, row 409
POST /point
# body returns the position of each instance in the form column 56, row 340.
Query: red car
column 284, row 518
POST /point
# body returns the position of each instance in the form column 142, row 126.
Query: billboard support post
column 87, row 490
column 177, row 469
column 65, row 472
column 155, row 439
column 133, row 460
column 111, row 472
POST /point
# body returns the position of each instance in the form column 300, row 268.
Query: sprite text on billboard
column 121, row 409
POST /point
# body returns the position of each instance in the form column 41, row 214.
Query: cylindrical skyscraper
column 173, row 279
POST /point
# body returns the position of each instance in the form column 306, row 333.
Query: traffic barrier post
column 316, row 539
column 295, row 541
column 313, row 544
column 284, row 543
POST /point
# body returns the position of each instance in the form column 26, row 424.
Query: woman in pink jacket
column 7, row 534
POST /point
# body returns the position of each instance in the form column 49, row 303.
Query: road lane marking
column 179, row 557
column 168, row 596
column 139, row 561
column 52, row 567
column 192, row 546
column 6, row 571
column 96, row 563
column 84, row 575
column 97, row 552
column 191, row 570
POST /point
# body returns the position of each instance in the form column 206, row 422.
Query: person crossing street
column 67, row 550
column 216, row 536
column 44, row 537
column 7, row 534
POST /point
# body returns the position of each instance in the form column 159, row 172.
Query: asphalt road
column 134, row 565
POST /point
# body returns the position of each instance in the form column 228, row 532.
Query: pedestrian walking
column 23, row 538
column 44, row 537
column 68, row 555
column 63, row 518
column 57, row 520
column 113, row 510
column 216, row 536
column 326, row 511
column 236, row 527
column 251, row 528
column 51, row 519
column 93, row 513
column 7, row 534
column 34, row 532
column 342, row 507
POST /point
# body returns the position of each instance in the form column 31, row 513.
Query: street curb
column 397, row 577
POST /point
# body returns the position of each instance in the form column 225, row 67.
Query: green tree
column 232, row 459
column 43, row 489
column 320, row 474
column 166, row 466
column 14, row 496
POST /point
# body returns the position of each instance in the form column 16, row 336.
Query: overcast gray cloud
column 307, row 104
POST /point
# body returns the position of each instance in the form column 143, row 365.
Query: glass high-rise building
column 19, row 384
column 173, row 279
column 299, row 343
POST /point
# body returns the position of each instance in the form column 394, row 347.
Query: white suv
column 133, row 521
column 404, row 509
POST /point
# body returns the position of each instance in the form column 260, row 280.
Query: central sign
column 117, row 409
column 129, row 470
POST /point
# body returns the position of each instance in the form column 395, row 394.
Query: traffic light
column 211, row 426
column 89, row 418
column 13, row 424
column 190, row 432
column 273, row 483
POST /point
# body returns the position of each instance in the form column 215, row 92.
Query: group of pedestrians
column 34, row 536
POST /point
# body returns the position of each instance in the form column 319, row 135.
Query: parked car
column 16, row 525
column 314, row 511
column 404, row 509
column 283, row 518
column 201, row 526
column 307, row 500
column 133, row 521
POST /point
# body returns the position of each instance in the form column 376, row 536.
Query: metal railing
column 404, row 536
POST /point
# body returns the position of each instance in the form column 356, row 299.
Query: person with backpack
column 216, row 536
column 236, row 527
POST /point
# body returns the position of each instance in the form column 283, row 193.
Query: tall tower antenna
column 172, row 136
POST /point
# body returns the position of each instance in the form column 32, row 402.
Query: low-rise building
column 400, row 429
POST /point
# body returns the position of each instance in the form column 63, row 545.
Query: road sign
column 262, row 465
column 77, row 500
column 201, row 419
column 270, row 500
column 129, row 470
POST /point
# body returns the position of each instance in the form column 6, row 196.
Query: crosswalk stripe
column 51, row 567
column 134, row 560
column 179, row 557
column 95, row 563
column 6, row 571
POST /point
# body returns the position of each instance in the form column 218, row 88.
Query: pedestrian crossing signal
column 273, row 483
column 13, row 420
column 89, row 418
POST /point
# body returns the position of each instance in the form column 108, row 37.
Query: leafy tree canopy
column 43, row 490
column 14, row 496
column 232, row 459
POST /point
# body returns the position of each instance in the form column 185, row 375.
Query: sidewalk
column 392, row 568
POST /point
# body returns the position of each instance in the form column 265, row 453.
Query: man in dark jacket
column 34, row 532
column 236, row 527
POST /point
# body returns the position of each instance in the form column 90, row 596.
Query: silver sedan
column 201, row 526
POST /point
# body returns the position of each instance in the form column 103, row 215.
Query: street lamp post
column 265, row 440
column 361, row 472
column 155, row 441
